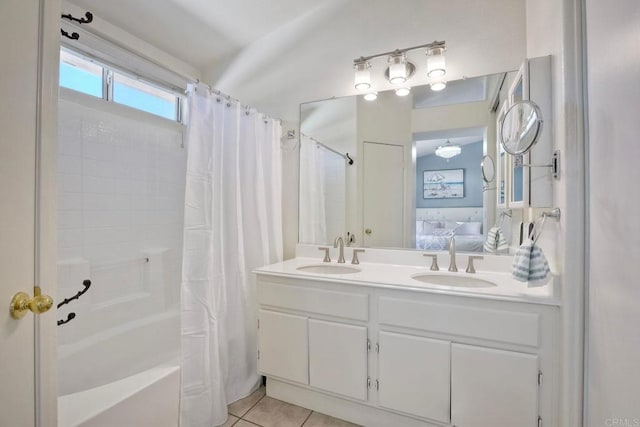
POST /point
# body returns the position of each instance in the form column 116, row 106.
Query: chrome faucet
column 452, row 254
column 340, row 241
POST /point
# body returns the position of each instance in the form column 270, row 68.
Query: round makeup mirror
column 488, row 169
column 520, row 127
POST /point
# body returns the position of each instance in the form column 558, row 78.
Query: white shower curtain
column 233, row 224
column 313, row 222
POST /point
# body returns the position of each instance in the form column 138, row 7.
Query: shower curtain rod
column 247, row 107
column 344, row 156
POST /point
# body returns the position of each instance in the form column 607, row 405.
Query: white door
column 20, row 269
column 338, row 358
column 493, row 388
column 383, row 195
column 413, row 374
column 283, row 346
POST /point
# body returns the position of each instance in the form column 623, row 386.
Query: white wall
column 554, row 28
column 613, row 377
column 121, row 178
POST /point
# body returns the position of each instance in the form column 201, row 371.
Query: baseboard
column 347, row 410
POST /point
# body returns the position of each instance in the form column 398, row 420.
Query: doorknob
column 21, row 303
column 367, row 232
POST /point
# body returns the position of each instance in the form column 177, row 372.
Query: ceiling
column 198, row 32
column 277, row 54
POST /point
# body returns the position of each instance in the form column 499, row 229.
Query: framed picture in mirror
column 444, row 184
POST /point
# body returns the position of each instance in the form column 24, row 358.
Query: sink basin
column 329, row 269
column 455, row 281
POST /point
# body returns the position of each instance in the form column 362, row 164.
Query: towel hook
column 535, row 234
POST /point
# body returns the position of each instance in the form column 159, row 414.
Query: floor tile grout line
column 252, row 406
column 306, row 419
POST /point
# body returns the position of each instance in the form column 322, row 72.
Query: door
column 22, row 263
column 413, row 374
column 338, row 358
column 493, row 388
column 283, row 349
column 383, row 195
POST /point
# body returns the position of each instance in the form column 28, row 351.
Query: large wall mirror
column 402, row 172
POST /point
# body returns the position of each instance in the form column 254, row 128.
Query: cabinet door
column 493, row 388
column 283, row 346
column 338, row 358
column 414, row 374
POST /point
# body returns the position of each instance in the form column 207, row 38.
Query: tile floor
column 261, row 410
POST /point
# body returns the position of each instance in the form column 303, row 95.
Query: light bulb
column 437, row 86
column 371, row 96
column 403, row 91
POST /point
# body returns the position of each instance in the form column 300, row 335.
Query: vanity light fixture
column 403, row 91
column 363, row 75
column 400, row 70
column 435, row 61
column 448, row 150
column 371, row 96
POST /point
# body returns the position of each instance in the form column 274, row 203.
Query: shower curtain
column 233, row 224
column 313, row 221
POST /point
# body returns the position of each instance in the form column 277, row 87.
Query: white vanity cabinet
column 381, row 356
column 422, row 389
column 338, row 358
column 284, row 352
column 477, row 395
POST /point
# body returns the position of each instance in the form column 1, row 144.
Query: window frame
column 108, row 83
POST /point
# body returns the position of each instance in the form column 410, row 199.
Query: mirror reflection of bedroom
column 449, row 192
column 453, row 130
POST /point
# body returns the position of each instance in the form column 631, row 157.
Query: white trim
column 572, row 224
column 45, row 334
column 118, row 47
column 100, row 104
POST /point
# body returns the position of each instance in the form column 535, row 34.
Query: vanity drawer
column 347, row 305
column 498, row 325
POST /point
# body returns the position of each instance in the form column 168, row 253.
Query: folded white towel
column 530, row 264
column 495, row 241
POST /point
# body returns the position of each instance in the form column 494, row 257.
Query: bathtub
column 125, row 375
column 150, row 398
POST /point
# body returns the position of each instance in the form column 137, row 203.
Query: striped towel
column 530, row 264
column 495, row 241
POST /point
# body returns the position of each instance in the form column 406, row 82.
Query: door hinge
column 539, row 421
column 539, row 377
column 258, row 354
column 258, row 323
column 369, row 383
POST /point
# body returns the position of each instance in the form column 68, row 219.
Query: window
column 80, row 74
column 84, row 75
column 140, row 95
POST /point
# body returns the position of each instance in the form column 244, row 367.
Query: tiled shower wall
column 121, row 181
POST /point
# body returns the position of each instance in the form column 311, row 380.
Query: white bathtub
column 150, row 398
column 126, row 375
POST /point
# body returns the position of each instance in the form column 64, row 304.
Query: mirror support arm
column 555, row 164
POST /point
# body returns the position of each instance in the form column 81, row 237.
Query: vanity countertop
column 393, row 276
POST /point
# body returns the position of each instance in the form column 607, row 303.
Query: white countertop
column 394, row 276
